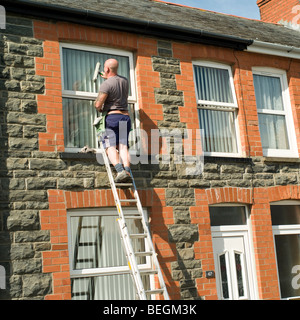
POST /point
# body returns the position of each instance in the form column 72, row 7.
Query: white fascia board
column 274, row 49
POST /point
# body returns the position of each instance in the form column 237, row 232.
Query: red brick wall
column 56, row 260
column 277, row 10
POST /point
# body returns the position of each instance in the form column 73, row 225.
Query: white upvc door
column 234, row 272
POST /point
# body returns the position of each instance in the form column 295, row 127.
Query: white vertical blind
column 217, row 122
column 78, row 116
column 79, row 66
column 213, row 84
column 96, row 243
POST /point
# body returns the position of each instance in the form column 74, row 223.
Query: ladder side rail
column 124, row 231
column 132, row 263
column 149, row 241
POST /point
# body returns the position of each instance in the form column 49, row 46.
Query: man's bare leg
column 113, row 155
column 124, row 155
column 115, row 158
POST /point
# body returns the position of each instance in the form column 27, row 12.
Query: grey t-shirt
column 117, row 89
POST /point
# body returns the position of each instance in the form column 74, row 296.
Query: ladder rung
column 155, row 291
column 148, row 272
column 138, row 236
column 143, row 254
column 133, row 217
column 128, row 200
column 123, row 185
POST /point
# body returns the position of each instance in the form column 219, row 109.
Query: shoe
column 123, row 176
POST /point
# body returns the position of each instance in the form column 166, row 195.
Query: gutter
column 125, row 24
column 274, row 49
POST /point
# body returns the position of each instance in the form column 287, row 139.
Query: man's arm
column 100, row 101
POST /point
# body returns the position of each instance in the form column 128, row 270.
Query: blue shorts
column 117, row 128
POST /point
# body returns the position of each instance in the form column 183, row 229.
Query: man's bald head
column 113, row 65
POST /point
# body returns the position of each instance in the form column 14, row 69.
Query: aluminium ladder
column 126, row 237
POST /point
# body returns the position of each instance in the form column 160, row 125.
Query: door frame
column 246, row 232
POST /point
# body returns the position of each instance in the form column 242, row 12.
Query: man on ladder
column 113, row 99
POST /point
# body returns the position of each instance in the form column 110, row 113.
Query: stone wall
column 21, row 240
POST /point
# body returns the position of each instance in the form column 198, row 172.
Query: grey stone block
column 23, row 220
column 183, row 233
column 37, row 285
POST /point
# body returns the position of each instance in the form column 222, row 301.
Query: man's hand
column 103, row 75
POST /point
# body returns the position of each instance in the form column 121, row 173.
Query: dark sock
column 119, row 167
column 127, row 169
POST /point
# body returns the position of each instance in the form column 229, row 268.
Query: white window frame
column 92, row 96
column 219, row 106
column 107, row 271
column 287, row 112
column 98, row 271
column 284, row 229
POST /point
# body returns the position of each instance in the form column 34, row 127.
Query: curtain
column 96, row 243
column 113, row 287
column 79, row 66
column 268, row 92
column 78, row 117
column 213, row 84
column 273, row 129
column 219, row 131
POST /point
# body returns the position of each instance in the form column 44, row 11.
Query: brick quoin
column 277, row 10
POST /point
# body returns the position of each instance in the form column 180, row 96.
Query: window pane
column 284, row 215
column 223, row 267
column 213, row 84
column 96, row 242
column 79, row 116
column 219, row 131
column 268, row 92
column 79, row 66
column 113, row 287
column 273, row 131
column 288, row 256
column 239, row 273
column 133, row 133
column 226, row 216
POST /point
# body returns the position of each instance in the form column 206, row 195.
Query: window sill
column 281, row 159
column 77, row 156
column 92, row 156
column 227, row 159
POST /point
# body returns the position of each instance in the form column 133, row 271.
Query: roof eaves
column 120, row 23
